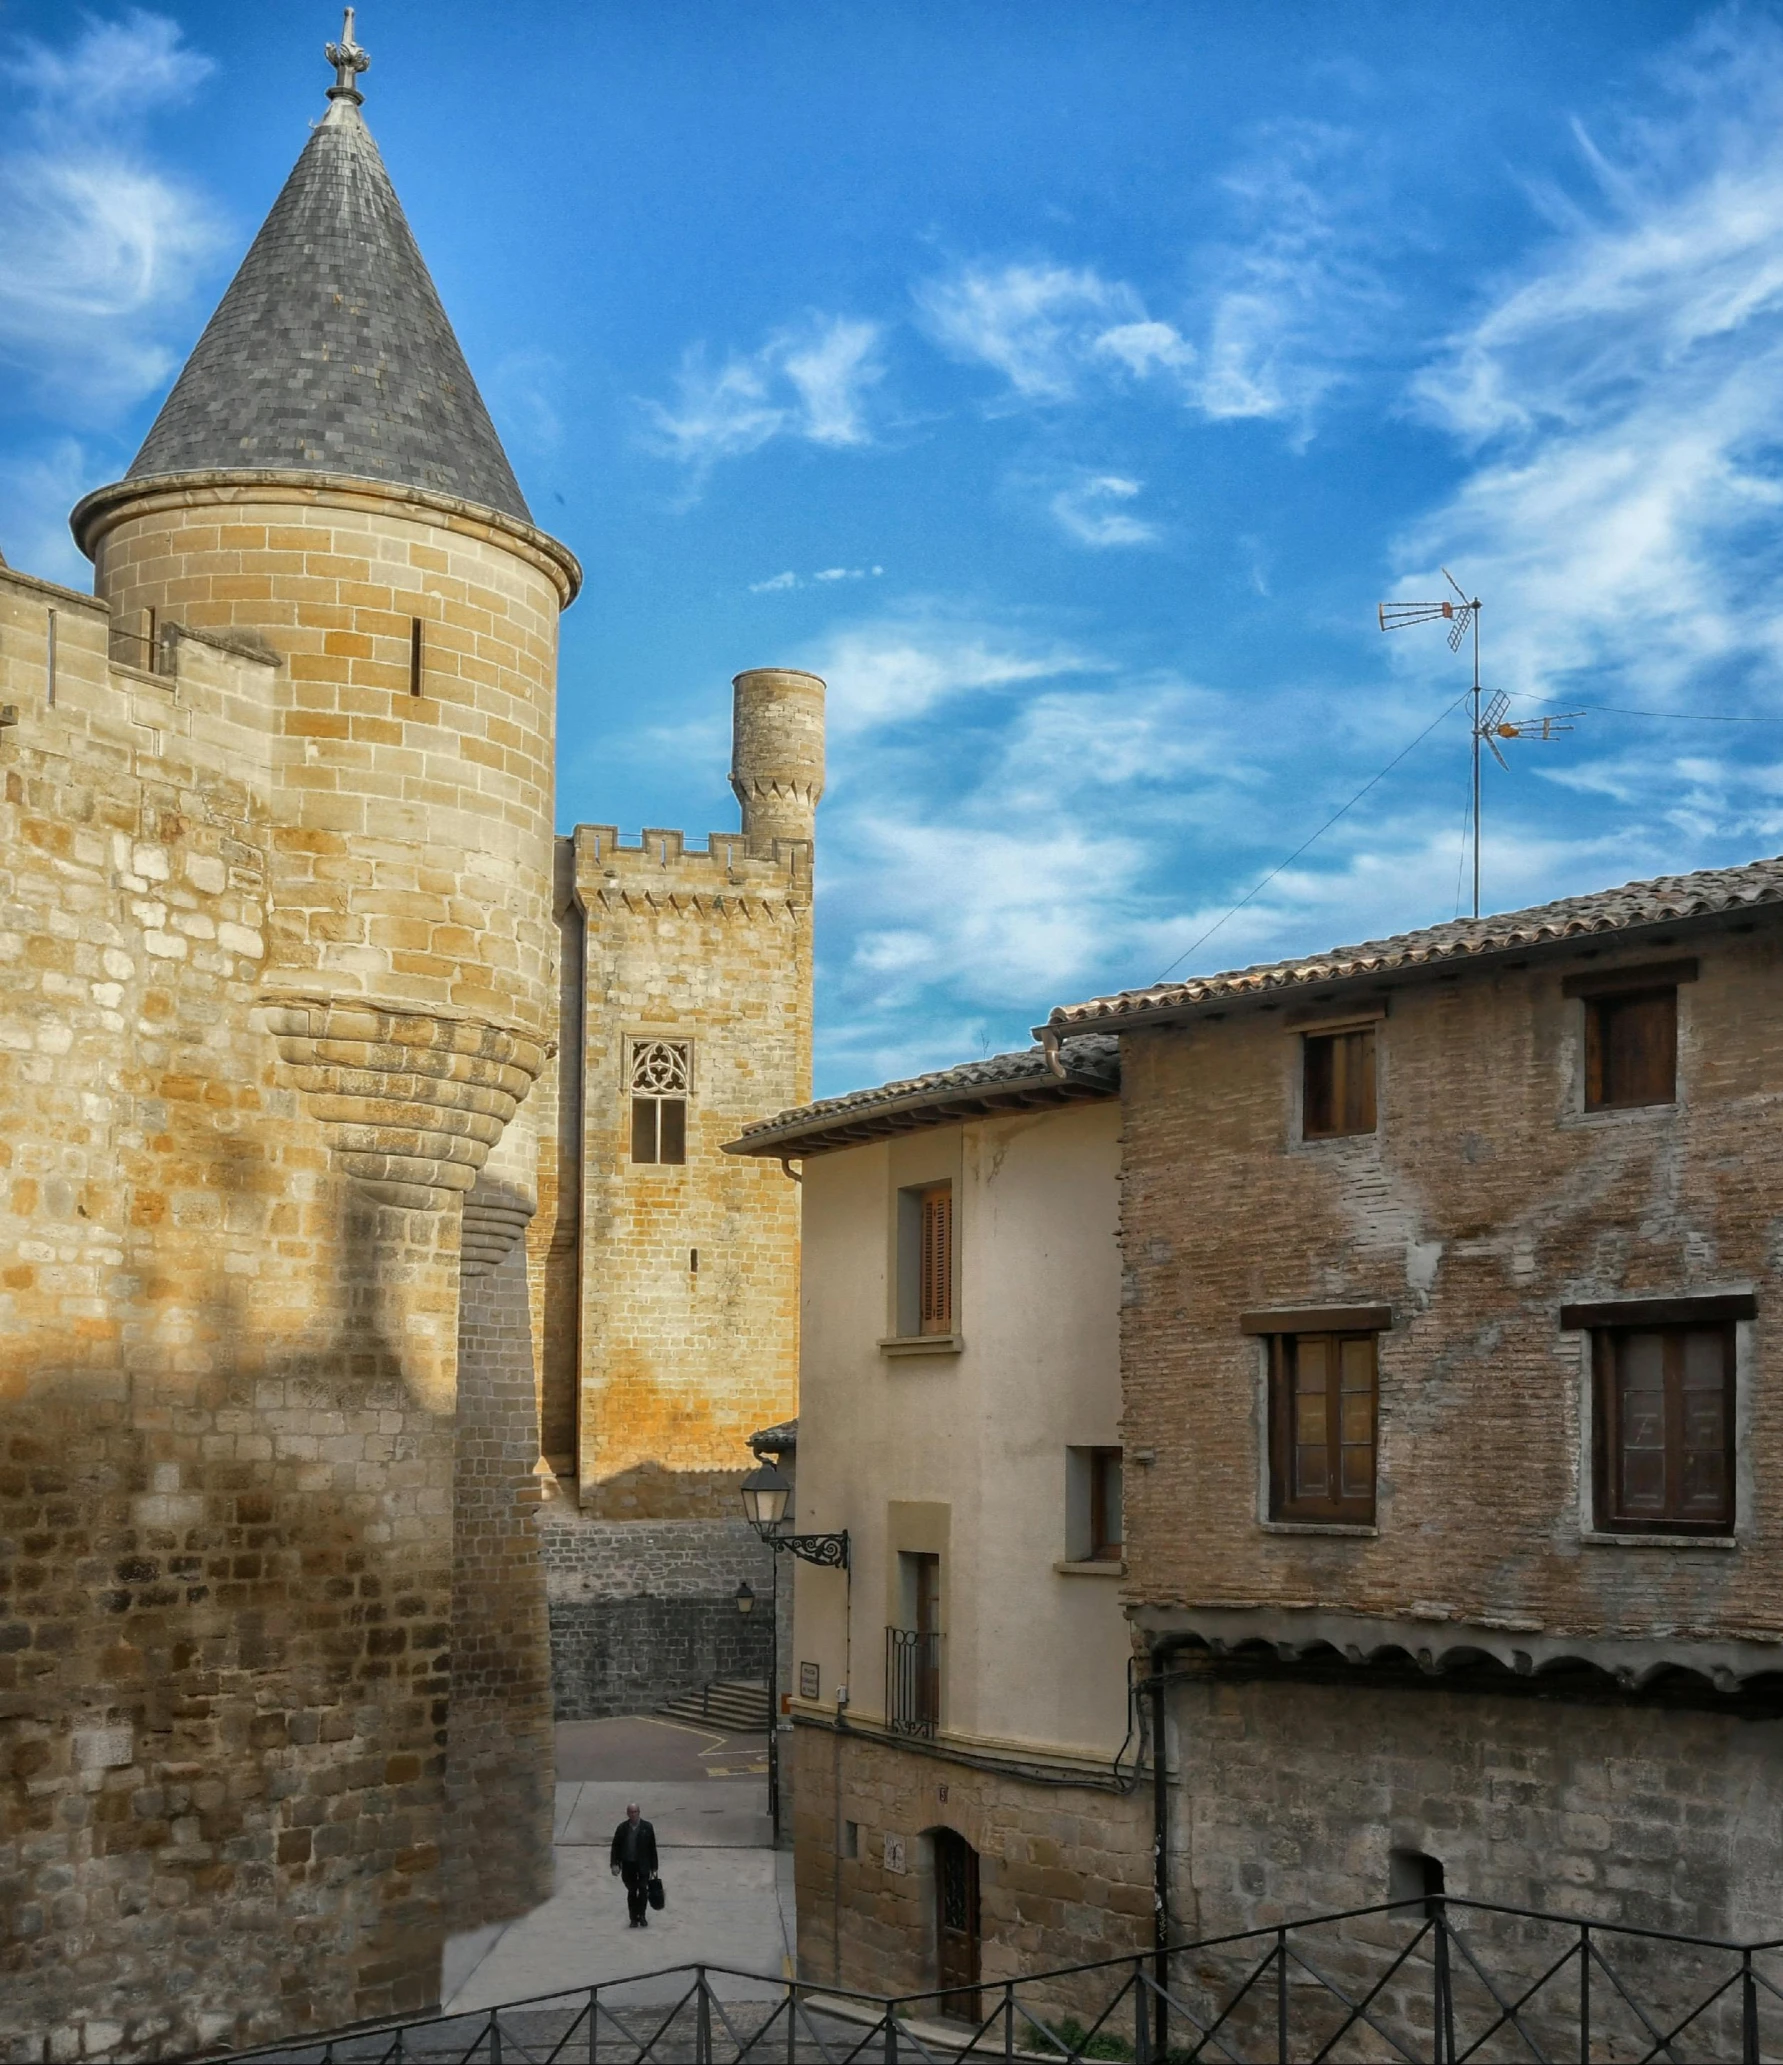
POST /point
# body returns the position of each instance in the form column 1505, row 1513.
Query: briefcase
column 657, row 1895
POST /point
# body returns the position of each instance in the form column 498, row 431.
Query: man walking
column 634, row 1861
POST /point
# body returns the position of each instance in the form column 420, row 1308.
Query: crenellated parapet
column 661, row 872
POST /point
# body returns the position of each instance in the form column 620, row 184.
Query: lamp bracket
column 829, row 1551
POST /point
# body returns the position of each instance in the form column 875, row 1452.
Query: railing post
column 1281, row 1997
column 792, row 2021
column 1008, row 2018
column 594, row 2025
column 1748, row 2012
column 1584, row 1993
column 1141, row 2021
column 702, row 2039
column 1445, row 2000
column 494, row 2037
column 891, row 2034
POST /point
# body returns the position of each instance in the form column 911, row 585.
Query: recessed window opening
column 661, row 1077
column 1415, row 1880
column 851, row 1839
column 1322, row 1413
column 925, row 1287
column 1337, row 1091
column 1664, row 1427
column 1093, row 1523
column 693, row 1261
column 1631, row 1049
column 414, row 656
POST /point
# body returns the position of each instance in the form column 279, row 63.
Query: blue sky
column 1066, row 383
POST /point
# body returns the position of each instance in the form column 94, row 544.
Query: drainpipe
column 1160, row 1865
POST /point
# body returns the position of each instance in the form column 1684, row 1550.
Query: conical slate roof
column 330, row 351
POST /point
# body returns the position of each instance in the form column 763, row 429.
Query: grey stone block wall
column 642, row 1610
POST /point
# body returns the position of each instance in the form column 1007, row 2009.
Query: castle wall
column 644, row 1610
column 680, row 1363
column 276, row 973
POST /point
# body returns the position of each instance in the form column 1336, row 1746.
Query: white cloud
column 1084, row 512
column 525, row 395
column 808, row 382
column 1280, row 306
column 36, row 493
column 1621, row 400
column 99, row 247
column 889, row 671
column 775, row 583
column 1034, row 323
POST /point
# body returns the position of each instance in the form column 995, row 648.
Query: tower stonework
column 671, row 1299
column 277, row 977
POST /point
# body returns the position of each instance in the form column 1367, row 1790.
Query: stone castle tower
column 670, row 1293
column 279, row 993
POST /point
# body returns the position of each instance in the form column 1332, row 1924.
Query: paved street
column 729, row 1894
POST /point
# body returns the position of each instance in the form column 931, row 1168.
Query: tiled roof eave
column 1415, row 958
column 844, row 1124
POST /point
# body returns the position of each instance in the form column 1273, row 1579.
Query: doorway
column 956, row 1924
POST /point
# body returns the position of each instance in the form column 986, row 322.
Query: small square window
column 1665, row 1429
column 1337, row 1084
column 1631, row 1049
column 1322, row 1412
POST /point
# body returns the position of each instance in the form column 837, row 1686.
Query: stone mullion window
column 661, row 1080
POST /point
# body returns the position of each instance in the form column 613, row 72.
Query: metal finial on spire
column 348, row 61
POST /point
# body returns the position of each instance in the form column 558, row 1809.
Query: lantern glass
column 766, row 1494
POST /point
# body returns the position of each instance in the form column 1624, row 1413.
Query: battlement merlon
column 662, row 863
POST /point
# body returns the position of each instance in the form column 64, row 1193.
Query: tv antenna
column 1493, row 723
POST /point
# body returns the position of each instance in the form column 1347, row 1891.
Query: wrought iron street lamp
column 767, row 1492
column 745, row 1597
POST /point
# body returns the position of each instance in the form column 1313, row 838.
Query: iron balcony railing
column 1441, row 1981
column 912, row 1681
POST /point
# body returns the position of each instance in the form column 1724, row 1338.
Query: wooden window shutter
column 936, row 1261
column 1631, row 1049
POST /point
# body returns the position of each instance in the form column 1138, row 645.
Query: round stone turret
column 777, row 754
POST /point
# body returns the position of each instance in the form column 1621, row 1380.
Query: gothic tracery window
column 661, row 1077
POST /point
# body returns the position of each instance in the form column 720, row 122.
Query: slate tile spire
column 330, row 352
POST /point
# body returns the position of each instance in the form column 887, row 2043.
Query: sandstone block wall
column 1064, row 1871
column 643, row 1610
column 680, row 1364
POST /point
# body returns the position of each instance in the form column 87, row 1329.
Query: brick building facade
column 1454, row 1415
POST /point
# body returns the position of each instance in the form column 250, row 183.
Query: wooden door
column 956, row 1924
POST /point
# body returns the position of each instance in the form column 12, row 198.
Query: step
column 730, row 1703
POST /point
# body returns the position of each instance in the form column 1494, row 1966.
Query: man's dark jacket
column 643, row 1853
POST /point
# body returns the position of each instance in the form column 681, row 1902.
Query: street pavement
column 729, row 1894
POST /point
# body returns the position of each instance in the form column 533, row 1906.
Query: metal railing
column 912, row 1681
column 1445, row 1982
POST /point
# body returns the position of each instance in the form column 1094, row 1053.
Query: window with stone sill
column 1664, row 1426
column 661, row 1074
column 1322, row 1410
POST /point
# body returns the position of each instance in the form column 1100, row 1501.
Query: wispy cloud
column 779, row 584
column 1092, row 512
column 809, row 382
column 891, row 670
column 1281, row 300
column 1620, row 400
column 99, row 246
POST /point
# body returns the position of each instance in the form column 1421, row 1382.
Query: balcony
column 912, row 1681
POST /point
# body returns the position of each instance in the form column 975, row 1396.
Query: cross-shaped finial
column 348, row 61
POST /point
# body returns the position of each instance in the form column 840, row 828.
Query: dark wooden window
column 659, row 1129
column 935, row 1260
column 1631, row 1049
column 1322, row 1426
column 1105, row 1505
column 1665, row 1429
column 414, row 656
column 1338, row 1084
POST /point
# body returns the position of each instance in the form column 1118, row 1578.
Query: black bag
column 656, row 1894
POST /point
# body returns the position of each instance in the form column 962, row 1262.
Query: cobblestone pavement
column 729, row 1894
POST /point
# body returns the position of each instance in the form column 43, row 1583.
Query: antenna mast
column 1488, row 727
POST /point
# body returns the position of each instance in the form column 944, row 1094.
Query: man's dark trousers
column 634, row 1852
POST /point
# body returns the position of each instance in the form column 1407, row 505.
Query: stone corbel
column 495, row 1216
column 411, row 1104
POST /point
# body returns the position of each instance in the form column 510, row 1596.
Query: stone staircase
column 738, row 1705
